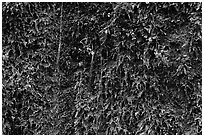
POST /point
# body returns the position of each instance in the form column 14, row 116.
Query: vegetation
column 101, row 68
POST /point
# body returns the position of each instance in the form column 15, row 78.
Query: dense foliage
column 101, row 68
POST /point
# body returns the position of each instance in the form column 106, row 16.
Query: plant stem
column 60, row 40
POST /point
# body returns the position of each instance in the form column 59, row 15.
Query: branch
column 60, row 40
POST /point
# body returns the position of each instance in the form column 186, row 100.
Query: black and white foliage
column 101, row 68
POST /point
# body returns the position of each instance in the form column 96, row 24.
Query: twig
column 60, row 40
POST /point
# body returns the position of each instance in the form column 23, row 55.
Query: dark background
column 122, row 68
